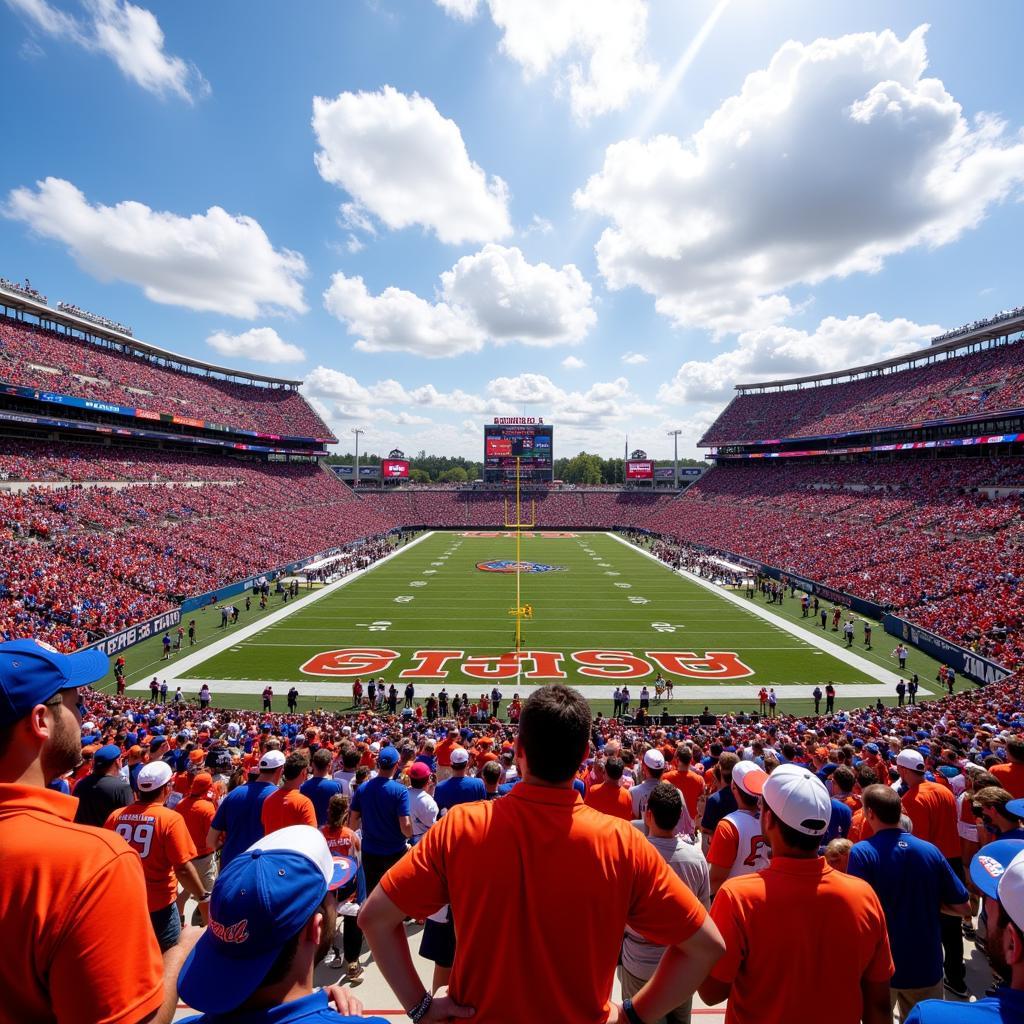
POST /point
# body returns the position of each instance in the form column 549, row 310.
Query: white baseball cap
column 153, row 775
column 654, row 759
column 271, row 761
column 749, row 777
column 460, row 755
column 911, row 759
column 798, row 799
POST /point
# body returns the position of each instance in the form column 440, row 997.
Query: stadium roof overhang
column 988, row 332
column 40, row 310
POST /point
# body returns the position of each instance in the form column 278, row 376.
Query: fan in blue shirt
column 914, row 883
column 240, row 812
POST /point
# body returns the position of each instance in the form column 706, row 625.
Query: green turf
column 457, row 607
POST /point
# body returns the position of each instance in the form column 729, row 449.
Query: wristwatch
column 631, row 1015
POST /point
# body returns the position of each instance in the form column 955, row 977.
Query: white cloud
column 634, row 358
column 595, row 47
column 539, row 226
column 338, row 395
column 464, row 9
column 399, row 321
column 776, row 352
column 603, row 403
column 262, row 344
column 405, row 164
column 837, row 155
column 130, row 36
column 495, row 295
column 572, row 363
column 513, row 300
column 353, row 244
column 213, row 262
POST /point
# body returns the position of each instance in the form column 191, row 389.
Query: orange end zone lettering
column 431, row 665
column 611, row 664
column 351, row 661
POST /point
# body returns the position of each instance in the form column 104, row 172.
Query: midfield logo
column 530, row 666
column 502, row 565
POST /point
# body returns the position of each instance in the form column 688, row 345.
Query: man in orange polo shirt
column 932, row 811
column 610, row 797
column 60, row 882
column 287, row 806
column 777, row 922
column 444, row 754
column 563, row 855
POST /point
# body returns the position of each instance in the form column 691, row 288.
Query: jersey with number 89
column 160, row 837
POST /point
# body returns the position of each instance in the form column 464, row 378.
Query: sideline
column 869, row 668
column 190, row 661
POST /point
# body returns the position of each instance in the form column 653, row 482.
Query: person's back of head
column 350, row 758
column 1015, row 748
column 613, row 768
column 884, row 803
column 684, row 755
column 726, row 763
column 491, row 774
column 554, row 730
column 665, row 804
column 337, row 808
column 294, row 765
column 844, row 780
column 322, row 761
column 866, row 776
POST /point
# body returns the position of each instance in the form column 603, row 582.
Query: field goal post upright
column 518, row 526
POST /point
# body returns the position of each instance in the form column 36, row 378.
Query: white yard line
column 233, row 639
column 869, row 668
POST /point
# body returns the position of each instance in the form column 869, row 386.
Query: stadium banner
column 71, row 401
column 639, row 469
column 117, row 642
column 949, row 442
column 965, row 662
column 394, row 469
column 665, row 473
column 99, row 428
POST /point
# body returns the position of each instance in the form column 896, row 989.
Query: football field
column 437, row 613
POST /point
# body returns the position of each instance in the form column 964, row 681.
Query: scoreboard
column 524, row 438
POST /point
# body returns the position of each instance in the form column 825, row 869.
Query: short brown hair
column 554, row 732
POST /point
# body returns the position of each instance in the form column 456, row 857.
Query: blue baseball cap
column 990, row 865
column 106, row 756
column 263, row 898
column 387, row 757
column 32, row 672
column 1016, row 808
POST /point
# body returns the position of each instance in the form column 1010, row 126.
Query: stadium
column 501, row 525
column 132, row 513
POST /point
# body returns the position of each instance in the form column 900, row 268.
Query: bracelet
column 631, row 1015
column 419, row 1011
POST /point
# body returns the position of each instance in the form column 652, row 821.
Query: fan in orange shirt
column 1011, row 775
column 161, row 839
column 287, row 806
column 685, row 779
column 610, row 797
column 774, row 977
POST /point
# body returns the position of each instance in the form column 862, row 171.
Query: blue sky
column 603, row 212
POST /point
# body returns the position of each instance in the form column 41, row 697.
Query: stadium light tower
column 357, row 431
column 674, row 434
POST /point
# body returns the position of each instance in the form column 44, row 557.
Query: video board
column 639, row 469
column 530, row 442
column 394, row 469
